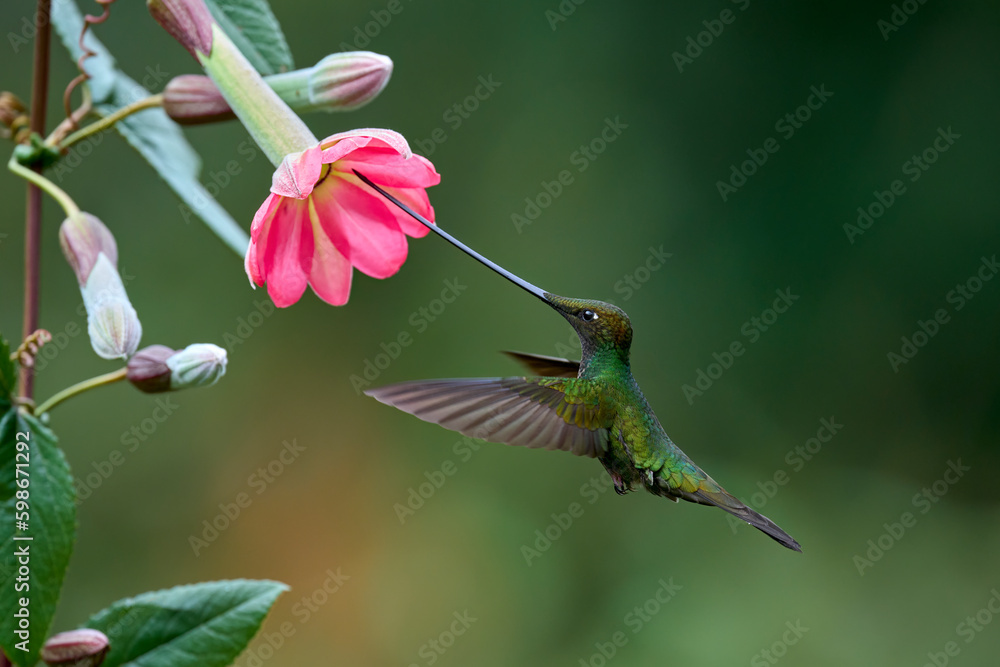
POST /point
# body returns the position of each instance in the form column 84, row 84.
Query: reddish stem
column 33, row 210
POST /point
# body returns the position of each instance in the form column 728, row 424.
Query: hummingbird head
column 600, row 325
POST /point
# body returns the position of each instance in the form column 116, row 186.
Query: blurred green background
column 333, row 508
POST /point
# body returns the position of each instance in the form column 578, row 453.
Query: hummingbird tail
column 731, row 504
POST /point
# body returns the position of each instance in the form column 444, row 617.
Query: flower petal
column 261, row 221
column 285, row 252
column 298, row 173
column 389, row 169
column 415, row 198
column 330, row 277
column 338, row 145
column 252, row 268
column 361, row 227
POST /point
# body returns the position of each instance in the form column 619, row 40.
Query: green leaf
column 151, row 132
column 255, row 31
column 8, row 376
column 51, row 520
column 202, row 625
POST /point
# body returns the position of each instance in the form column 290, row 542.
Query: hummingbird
column 592, row 407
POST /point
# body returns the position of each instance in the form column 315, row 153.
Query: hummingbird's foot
column 649, row 477
column 621, row 486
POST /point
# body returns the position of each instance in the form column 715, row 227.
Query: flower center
column 327, row 168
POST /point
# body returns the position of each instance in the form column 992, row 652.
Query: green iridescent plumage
column 593, row 407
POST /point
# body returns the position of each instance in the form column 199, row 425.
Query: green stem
column 79, row 388
column 51, row 188
column 275, row 127
column 111, row 119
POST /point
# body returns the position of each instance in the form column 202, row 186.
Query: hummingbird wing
column 535, row 412
column 539, row 364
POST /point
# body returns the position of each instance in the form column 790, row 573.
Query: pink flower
column 320, row 220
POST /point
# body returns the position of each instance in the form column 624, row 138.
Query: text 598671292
column 22, row 554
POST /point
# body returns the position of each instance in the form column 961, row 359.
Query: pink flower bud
column 148, row 370
column 192, row 99
column 346, row 81
column 158, row 368
column 83, row 237
column 189, row 21
column 77, row 648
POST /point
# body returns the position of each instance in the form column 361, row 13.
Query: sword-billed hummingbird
column 593, row 407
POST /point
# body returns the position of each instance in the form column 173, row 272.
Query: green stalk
column 109, row 120
column 79, row 388
column 276, row 128
column 45, row 184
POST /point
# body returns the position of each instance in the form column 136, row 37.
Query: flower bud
column 188, row 21
column 77, row 648
column 346, row 81
column 83, row 237
column 192, row 99
column 148, row 370
column 11, row 108
column 339, row 82
column 112, row 322
column 197, row 365
column 15, row 123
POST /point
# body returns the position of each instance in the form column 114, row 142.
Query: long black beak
column 524, row 284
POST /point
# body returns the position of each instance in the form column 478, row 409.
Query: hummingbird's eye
column 588, row 315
